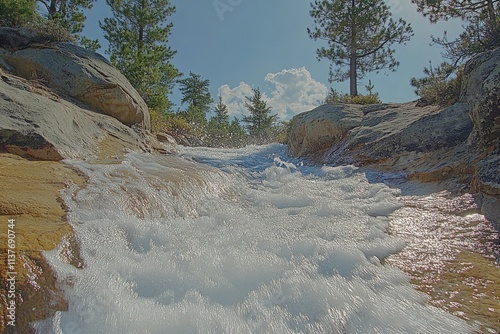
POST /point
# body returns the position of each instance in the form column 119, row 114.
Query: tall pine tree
column 138, row 35
column 221, row 113
column 359, row 34
column 195, row 92
column 482, row 31
column 260, row 122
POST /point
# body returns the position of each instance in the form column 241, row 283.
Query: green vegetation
column 63, row 22
column 359, row 34
column 221, row 113
column 219, row 130
column 260, row 122
column 481, row 33
column 69, row 16
column 192, row 122
column 17, row 13
column 138, row 35
column 173, row 124
column 441, row 85
column 336, row 97
column 196, row 94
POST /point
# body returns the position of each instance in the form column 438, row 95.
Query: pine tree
column 16, row 13
column 221, row 113
column 481, row 33
column 68, row 12
column 237, row 134
column 196, row 94
column 260, row 122
column 69, row 15
column 138, row 35
column 359, row 34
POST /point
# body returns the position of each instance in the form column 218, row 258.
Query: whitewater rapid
column 235, row 241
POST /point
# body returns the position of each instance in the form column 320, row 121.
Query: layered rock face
column 460, row 142
column 59, row 101
column 365, row 134
column 37, row 124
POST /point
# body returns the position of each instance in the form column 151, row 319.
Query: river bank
column 30, row 195
column 452, row 252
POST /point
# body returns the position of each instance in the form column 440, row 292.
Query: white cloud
column 293, row 91
column 235, row 99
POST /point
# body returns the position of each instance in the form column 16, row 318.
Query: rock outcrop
column 83, row 75
column 37, row 124
column 481, row 91
column 30, row 194
column 319, row 129
column 460, row 142
column 361, row 134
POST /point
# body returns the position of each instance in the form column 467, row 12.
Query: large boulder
column 36, row 124
column 83, row 75
column 365, row 134
column 403, row 129
column 13, row 38
column 318, row 129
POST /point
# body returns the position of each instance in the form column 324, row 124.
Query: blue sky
column 240, row 44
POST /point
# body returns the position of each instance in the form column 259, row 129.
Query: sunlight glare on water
column 236, row 241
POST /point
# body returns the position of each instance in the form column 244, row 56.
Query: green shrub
column 441, row 86
column 370, row 98
column 50, row 30
column 178, row 125
column 16, row 13
column 336, row 97
column 171, row 123
column 366, row 99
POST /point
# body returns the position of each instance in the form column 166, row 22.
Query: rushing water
column 236, row 241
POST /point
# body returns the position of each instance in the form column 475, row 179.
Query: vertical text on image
column 11, row 273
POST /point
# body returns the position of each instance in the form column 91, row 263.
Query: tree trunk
column 140, row 21
column 491, row 12
column 352, row 58
column 353, row 78
column 52, row 8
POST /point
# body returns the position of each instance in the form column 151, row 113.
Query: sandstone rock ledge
column 57, row 101
column 459, row 144
column 29, row 194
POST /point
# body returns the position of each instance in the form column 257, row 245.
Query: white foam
column 260, row 244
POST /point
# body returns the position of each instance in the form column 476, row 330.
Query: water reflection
column 451, row 254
